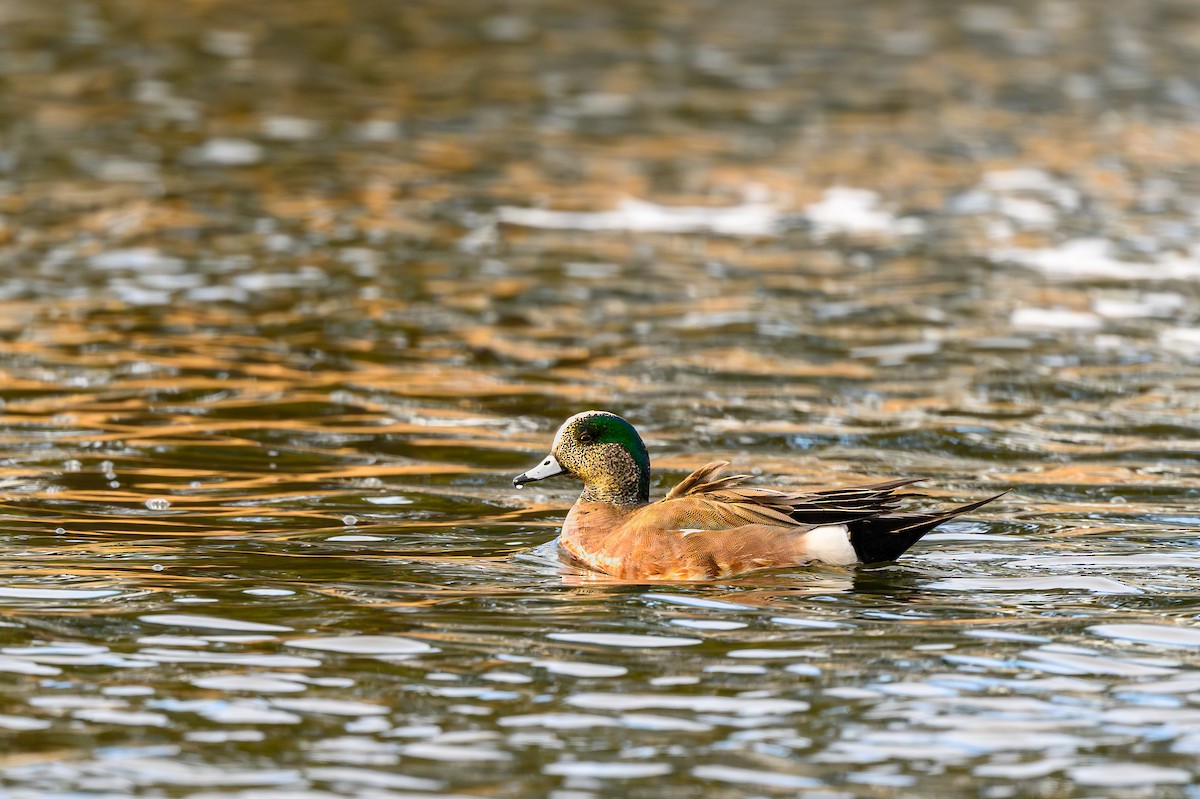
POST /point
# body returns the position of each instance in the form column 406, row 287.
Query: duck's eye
column 586, row 438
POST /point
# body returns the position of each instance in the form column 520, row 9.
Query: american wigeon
column 709, row 526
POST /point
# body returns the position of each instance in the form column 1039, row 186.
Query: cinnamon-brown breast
column 681, row 539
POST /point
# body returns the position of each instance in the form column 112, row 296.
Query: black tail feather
column 873, row 488
column 842, row 505
column 881, row 538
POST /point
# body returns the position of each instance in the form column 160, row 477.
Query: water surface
column 288, row 298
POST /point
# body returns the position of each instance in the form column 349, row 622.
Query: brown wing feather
column 711, row 500
column 700, row 481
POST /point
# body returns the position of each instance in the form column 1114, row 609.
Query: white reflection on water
column 740, row 706
column 433, row 750
column 560, row 721
column 336, row 707
column 160, row 655
column 141, row 770
column 248, row 711
column 858, row 212
column 210, row 622
column 708, row 624
column 23, row 592
column 1083, row 259
column 607, row 771
column 248, row 683
column 1100, row 585
column 624, row 640
column 122, row 717
column 370, row 778
column 698, row 601
column 748, row 219
column 578, row 669
column 364, row 645
column 754, row 777
column 22, row 723
column 1128, row 775
column 15, row 666
column 1162, row 634
column 1085, row 561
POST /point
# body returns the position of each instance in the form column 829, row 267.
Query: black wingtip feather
column 882, row 538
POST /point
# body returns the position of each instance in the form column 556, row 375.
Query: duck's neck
column 626, row 482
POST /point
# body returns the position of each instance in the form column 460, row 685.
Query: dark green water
column 290, row 292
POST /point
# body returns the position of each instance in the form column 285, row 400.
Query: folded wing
column 720, row 500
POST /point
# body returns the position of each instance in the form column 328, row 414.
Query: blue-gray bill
column 547, row 468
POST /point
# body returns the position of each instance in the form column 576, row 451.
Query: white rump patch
column 830, row 543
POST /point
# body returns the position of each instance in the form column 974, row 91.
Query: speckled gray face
column 605, row 452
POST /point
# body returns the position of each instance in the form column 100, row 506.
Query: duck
column 712, row 526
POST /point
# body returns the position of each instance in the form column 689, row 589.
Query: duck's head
column 605, row 452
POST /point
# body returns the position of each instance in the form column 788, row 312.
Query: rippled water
column 288, row 297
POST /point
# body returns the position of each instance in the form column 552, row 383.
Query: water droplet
column 114, row 484
column 158, row 504
column 349, row 520
column 60, row 530
column 72, row 466
column 520, row 486
column 158, row 567
column 106, row 466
